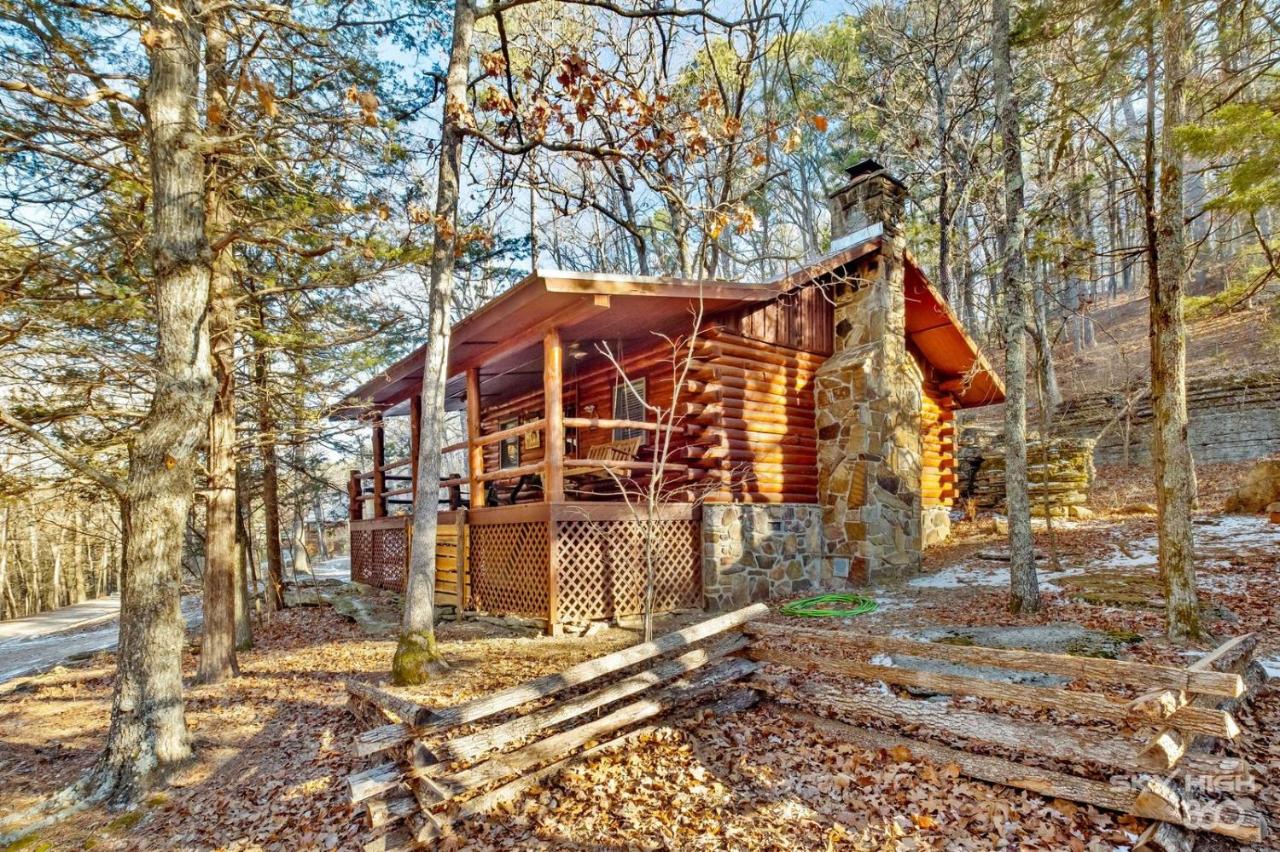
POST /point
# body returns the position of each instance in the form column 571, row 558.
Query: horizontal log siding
column 581, row 391
column 751, row 421
column 937, row 446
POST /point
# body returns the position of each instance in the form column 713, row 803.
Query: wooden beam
column 379, row 739
column 379, row 467
column 475, row 452
column 1053, row 741
column 463, row 566
column 499, row 736
column 1112, row 797
column 513, row 432
column 415, row 438
column 553, row 416
column 355, row 505
column 571, row 316
column 599, row 423
column 1141, row 675
column 512, row 472
column 559, row 745
column 1215, row 723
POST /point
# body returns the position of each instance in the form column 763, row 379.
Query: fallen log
column 397, row 705
column 389, row 736
column 1212, row 722
column 1072, row 745
column 1048, row 783
column 1141, row 675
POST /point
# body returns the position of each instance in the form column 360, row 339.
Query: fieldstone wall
column 1059, row 473
column 935, row 525
column 753, row 552
column 1233, row 417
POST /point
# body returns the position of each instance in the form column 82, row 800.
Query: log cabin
column 755, row 439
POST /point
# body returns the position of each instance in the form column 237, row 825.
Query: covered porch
column 546, row 516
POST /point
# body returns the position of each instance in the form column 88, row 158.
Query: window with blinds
column 628, row 404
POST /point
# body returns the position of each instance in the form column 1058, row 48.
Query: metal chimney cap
column 868, row 167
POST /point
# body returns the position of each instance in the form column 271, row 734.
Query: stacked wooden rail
column 435, row 767
column 1138, row 744
column 459, row 762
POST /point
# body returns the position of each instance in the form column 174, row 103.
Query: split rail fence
column 436, row 767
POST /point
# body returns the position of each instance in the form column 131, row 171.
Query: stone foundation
column 753, row 552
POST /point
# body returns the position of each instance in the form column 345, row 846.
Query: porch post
column 553, row 457
column 553, row 405
column 415, row 433
column 379, row 463
column 355, row 506
column 475, row 452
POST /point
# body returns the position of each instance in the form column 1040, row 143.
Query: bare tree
column 1174, row 466
column 1024, row 588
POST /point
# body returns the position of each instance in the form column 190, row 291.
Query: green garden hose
column 820, row 606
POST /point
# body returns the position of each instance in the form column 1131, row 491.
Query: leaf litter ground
column 273, row 747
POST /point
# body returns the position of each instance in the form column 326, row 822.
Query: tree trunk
column 78, row 590
column 322, row 546
column 270, row 474
column 417, row 658
column 56, row 582
column 147, row 731
column 1175, row 494
column 1046, row 371
column 1024, row 588
column 245, row 593
column 4, row 564
column 218, row 638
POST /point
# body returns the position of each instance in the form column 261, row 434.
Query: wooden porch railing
column 391, row 483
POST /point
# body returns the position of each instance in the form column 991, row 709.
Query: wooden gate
column 453, row 562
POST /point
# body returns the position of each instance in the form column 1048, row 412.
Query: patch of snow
column 1238, row 531
column 1271, row 667
column 882, row 660
column 959, row 576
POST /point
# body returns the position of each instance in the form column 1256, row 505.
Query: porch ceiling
column 503, row 339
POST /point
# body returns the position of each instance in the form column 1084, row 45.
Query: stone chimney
column 868, row 393
column 872, row 196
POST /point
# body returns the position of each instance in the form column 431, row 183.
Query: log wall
column 749, row 410
column 938, row 486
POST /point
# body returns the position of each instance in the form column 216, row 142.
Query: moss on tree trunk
column 417, row 659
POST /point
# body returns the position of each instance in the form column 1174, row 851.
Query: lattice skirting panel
column 380, row 557
column 602, row 567
column 509, row 568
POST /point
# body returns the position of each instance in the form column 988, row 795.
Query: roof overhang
column 503, row 338
column 938, row 334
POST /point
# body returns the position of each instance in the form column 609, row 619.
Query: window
column 628, row 404
column 509, row 448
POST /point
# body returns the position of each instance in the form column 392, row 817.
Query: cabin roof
column 504, row 336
